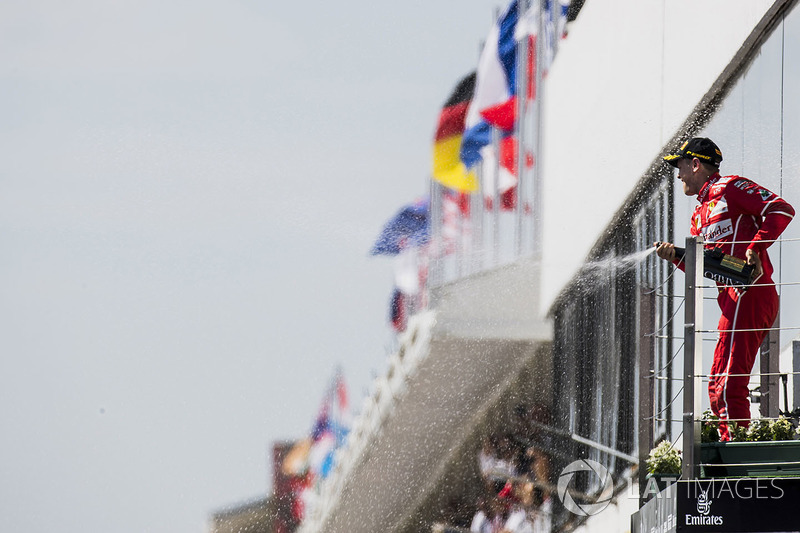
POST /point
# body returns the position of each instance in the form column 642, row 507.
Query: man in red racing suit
column 742, row 218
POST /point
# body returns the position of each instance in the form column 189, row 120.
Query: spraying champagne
column 722, row 268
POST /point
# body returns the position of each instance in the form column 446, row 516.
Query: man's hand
column 665, row 250
column 753, row 259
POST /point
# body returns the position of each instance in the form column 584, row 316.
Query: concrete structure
column 251, row 517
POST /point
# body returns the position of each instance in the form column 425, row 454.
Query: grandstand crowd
column 515, row 473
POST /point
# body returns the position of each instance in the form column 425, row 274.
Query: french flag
column 495, row 84
column 503, row 116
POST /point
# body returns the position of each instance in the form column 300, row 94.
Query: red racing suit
column 733, row 209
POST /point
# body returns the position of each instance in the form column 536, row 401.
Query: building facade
column 573, row 348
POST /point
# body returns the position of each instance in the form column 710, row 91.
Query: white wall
column 626, row 78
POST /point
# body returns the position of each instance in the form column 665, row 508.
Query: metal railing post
column 692, row 358
column 770, row 367
column 795, row 376
column 647, row 325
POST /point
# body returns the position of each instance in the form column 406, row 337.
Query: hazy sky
column 188, row 193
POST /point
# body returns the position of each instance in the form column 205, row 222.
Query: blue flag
column 409, row 227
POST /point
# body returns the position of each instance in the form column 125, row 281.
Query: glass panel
column 788, row 253
column 761, row 111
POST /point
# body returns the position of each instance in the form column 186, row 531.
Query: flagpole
column 522, row 98
column 477, row 231
column 536, row 237
column 496, row 196
column 434, row 226
column 439, row 251
column 459, row 248
column 495, row 212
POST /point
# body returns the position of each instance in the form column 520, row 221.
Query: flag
column 504, row 114
column 555, row 23
column 448, row 169
column 500, row 173
column 312, row 459
column 528, row 26
column 501, row 176
column 341, row 396
column 495, row 83
column 408, row 227
column 397, row 312
column 300, row 490
column 406, row 271
column 330, row 429
column 328, row 432
column 455, row 219
column 318, row 458
column 563, row 13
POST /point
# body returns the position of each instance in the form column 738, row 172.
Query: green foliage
column 782, row 429
column 738, row 433
column 710, row 428
column 759, row 431
column 664, row 459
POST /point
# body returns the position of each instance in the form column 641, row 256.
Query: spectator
column 496, row 462
column 537, row 505
column 517, row 517
column 491, row 516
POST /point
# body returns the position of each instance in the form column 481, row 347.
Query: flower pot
column 662, row 481
column 750, row 459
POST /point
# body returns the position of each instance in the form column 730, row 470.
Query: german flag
column 447, row 166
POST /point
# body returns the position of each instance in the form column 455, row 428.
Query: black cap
column 702, row 148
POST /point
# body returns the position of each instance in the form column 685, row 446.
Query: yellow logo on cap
column 683, row 146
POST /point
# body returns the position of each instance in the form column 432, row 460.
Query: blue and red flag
column 397, row 311
column 408, row 227
column 495, row 83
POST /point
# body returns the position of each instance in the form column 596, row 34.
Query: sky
column 188, row 195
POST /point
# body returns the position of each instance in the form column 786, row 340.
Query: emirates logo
column 703, row 503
